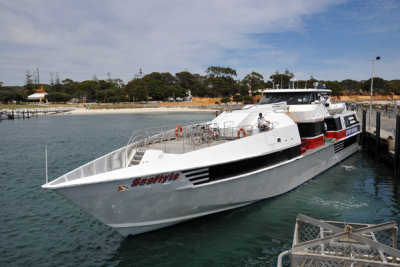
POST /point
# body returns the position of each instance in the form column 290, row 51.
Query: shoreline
column 84, row 111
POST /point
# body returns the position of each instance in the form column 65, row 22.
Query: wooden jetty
column 27, row 113
column 382, row 139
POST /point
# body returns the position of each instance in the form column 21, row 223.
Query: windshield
column 290, row 98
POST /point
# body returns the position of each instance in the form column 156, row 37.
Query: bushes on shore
column 218, row 82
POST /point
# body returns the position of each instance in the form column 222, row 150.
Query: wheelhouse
column 293, row 96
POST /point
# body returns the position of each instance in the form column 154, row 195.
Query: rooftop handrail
column 141, row 134
column 185, row 131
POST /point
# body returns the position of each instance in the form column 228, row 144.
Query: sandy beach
column 84, row 111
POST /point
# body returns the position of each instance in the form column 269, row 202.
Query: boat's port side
column 198, row 176
column 339, row 146
column 338, row 127
column 231, row 169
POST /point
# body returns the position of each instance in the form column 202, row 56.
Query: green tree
column 237, row 98
column 226, row 99
column 29, row 86
column 160, row 86
column 58, row 97
column 69, row 86
column 137, row 90
column 220, row 82
column 394, row 86
column 282, row 79
column 5, row 96
column 350, row 86
column 334, row 86
column 214, row 71
column 57, row 86
column 380, row 86
column 87, row 89
column 186, row 80
column 254, row 81
column 20, row 96
column 12, row 93
column 247, row 99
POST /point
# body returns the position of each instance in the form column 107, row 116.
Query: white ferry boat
column 170, row 175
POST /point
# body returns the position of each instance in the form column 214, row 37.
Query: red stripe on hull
column 314, row 142
column 337, row 134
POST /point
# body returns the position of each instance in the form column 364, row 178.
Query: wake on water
column 349, row 168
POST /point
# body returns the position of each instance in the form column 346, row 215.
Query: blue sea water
column 40, row 228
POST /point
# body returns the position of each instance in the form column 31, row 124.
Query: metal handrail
column 186, row 132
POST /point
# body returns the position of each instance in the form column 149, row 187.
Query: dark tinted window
column 350, row 120
column 333, row 124
column 290, row 98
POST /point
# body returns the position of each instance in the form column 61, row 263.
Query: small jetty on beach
column 27, row 113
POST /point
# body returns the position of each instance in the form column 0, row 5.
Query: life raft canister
column 178, row 131
column 241, row 130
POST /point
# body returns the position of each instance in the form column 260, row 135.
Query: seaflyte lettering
column 156, row 179
column 353, row 130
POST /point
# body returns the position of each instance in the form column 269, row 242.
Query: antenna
column 47, row 176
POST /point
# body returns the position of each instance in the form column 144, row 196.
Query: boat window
column 350, row 120
column 310, row 129
column 300, row 98
column 333, row 124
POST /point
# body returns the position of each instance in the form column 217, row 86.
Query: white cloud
column 78, row 39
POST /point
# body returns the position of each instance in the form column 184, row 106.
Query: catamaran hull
column 133, row 209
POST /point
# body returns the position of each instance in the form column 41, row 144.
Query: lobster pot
column 327, row 243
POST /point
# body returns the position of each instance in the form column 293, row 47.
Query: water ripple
column 40, row 228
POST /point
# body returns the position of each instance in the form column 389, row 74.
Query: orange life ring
column 215, row 133
column 178, row 131
column 243, row 131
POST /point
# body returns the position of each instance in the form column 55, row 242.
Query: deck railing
column 181, row 138
column 184, row 137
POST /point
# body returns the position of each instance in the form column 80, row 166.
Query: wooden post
column 378, row 134
column 397, row 149
column 364, row 133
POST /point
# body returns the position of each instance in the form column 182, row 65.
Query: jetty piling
column 378, row 134
column 397, row 149
column 382, row 140
column 364, row 134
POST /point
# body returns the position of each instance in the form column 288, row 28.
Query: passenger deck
column 182, row 139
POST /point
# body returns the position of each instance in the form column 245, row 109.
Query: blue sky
column 328, row 39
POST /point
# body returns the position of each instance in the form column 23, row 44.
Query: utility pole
column 38, row 78
column 372, row 85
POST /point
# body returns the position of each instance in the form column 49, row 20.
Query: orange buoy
column 178, row 131
column 241, row 130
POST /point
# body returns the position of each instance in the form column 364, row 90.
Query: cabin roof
column 312, row 90
column 37, row 95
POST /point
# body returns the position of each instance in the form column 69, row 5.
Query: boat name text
column 353, row 130
column 157, row 179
